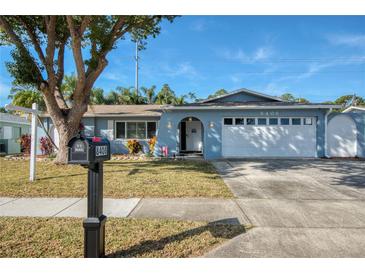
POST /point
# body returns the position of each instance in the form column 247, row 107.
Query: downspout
column 325, row 133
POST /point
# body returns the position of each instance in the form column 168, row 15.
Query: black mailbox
column 91, row 153
column 85, row 151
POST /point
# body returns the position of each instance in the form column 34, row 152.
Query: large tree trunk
column 66, row 131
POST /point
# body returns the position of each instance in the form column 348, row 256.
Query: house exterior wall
column 167, row 134
column 359, row 119
column 105, row 127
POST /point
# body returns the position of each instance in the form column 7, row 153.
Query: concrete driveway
column 298, row 208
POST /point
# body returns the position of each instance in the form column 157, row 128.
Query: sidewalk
column 192, row 209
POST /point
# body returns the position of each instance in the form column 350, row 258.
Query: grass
column 122, row 179
column 63, row 237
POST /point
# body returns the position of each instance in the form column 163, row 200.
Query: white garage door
column 341, row 137
column 269, row 137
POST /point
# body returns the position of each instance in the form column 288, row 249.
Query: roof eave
column 253, row 107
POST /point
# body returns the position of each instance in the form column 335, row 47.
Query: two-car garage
column 269, row 137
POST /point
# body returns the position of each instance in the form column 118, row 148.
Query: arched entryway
column 191, row 135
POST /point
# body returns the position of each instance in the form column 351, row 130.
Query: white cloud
column 352, row 40
column 258, row 54
column 113, row 76
column 184, row 69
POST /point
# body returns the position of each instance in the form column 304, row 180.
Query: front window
column 151, row 129
column 135, row 130
column 131, row 130
column 120, row 130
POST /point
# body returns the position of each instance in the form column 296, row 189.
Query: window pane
column 261, row 121
column 120, row 130
column 131, row 130
column 141, row 130
column 296, row 121
column 151, row 129
column 273, row 121
column 228, row 121
column 308, row 121
column 250, row 121
column 240, row 121
column 284, row 121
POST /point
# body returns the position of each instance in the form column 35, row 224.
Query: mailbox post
column 91, row 153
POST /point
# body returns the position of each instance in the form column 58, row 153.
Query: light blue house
column 243, row 123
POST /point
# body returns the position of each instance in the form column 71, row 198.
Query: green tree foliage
column 288, row 97
column 68, row 86
column 165, row 96
column 150, row 94
column 129, row 96
column 347, row 100
column 39, row 47
column 219, row 92
column 24, row 96
column 291, row 98
column 97, row 97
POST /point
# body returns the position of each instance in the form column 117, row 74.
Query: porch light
column 169, row 124
column 190, row 119
column 211, row 124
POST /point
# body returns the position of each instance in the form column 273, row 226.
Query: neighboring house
column 346, row 133
column 12, row 127
column 118, row 123
column 243, row 123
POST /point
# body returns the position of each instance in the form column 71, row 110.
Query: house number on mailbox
column 101, row 150
column 79, row 147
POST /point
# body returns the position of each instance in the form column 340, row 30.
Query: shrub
column 152, row 143
column 24, row 141
column 134, row 146
column 46, row 146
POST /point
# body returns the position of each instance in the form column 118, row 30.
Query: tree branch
column 51, row 44
column 77, row 53
column 33, row 37
column 60, row 63
column 19, row 44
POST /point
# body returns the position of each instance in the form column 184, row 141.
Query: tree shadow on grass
column 225, row 228
column 171, row 165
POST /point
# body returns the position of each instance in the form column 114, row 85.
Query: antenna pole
column 136, row 81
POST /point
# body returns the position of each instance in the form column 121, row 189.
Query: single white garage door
column 341, row 136
column 269, row 137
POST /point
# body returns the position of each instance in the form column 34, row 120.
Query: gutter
column 251, row 107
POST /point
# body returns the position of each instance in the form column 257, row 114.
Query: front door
column 193, row 136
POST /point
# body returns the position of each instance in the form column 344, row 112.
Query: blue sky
column 316, row 57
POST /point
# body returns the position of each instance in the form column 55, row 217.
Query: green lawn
column 122, row 179
column 63, row 237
